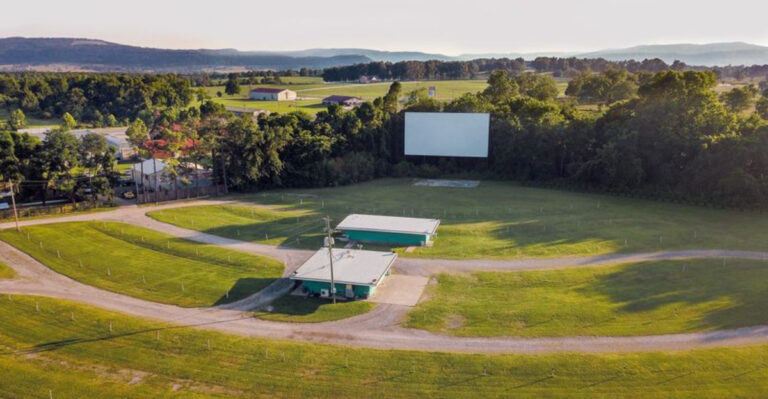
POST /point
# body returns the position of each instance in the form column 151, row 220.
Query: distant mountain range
column 63, row 54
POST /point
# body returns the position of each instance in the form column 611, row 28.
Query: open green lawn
column 313, row 91
column 6, row 271
column 144, row 263
column 67, row 350
column 299, row 309
column 636, row 299
column 496, row 220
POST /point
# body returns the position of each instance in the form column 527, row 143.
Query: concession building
column 389, row 229
column 356, row 273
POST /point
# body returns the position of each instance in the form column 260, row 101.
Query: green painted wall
column 314, row 287
column 394, row 238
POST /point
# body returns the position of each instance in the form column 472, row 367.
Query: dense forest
column 662, row 135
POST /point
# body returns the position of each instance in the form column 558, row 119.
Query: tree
column 59, row 156
column 500, row 87
column 392, row 98
column 97, row 158
column 739, row 99
column 540, row 87
column 761, row 107
column 233, row 85
column 17, row 120
column 138, row 133
column 67, row 122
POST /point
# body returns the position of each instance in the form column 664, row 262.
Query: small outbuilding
column 270, row 94
column 344, row 101
column 389, row 229
column 356, row 272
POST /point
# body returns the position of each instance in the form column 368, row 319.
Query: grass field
column 144, row 263
column 297, row 309
column 6, row 271
column 313, row 91
column 636, row 299
column 496, row 220
column 67, row 350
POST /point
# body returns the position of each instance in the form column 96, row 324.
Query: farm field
column 313, row 91
column 144, row 263
column 6, row 271
column 496, row 220
column 66, row 350
column 635, row 299
column 297, row 309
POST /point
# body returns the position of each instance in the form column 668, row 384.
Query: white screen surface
column 446, row 134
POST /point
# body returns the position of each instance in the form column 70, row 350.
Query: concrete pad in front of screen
column 400, row 290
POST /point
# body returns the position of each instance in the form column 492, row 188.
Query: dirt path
column 377, row 329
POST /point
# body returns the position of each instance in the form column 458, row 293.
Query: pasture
column 496, row 220
column 634, row 299
column 311, row 93
column 62, row 349
column 144, row 263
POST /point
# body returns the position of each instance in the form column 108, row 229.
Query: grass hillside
column 635, row 299
column 496, row 220
column 144, row 263
column 66, row 350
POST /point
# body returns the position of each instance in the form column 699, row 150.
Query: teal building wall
column 385, row 237
column 360, row 291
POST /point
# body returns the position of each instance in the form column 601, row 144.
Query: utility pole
column 13, row 201
column 329, row 240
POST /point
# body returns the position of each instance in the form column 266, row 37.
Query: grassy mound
column 68, row 349
column 496, row 220
column 144, row 263
column 636, row 299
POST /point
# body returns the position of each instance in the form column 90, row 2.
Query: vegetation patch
column 496, row 220
column 190, row 363
column 637, row 299
column 6, row 271
column 299, row 309
column 144, row 263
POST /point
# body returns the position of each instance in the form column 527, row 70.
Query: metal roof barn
column 389, row 229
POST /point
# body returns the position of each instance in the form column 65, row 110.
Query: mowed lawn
column 144, row 263
column 67, row 350
column 6, row 271
column 636, row 299
column 311, row 93
column 496, row 220
column 299, row 309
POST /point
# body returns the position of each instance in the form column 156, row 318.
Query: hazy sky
column 446, row 26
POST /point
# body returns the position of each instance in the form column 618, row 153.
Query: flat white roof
column 390, row 224
column 350, row 266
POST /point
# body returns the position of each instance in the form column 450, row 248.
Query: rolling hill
column 62, row 54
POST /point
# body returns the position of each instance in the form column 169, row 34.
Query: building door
column 350, row 293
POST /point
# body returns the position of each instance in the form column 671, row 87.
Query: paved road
column 377, row 329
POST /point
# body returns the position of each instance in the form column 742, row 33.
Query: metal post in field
column 13, row 202
column 330, row 255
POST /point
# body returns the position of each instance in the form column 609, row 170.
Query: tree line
column 100, row 99
column 671, row 136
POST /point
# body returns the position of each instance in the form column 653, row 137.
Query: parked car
column 129, row 195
